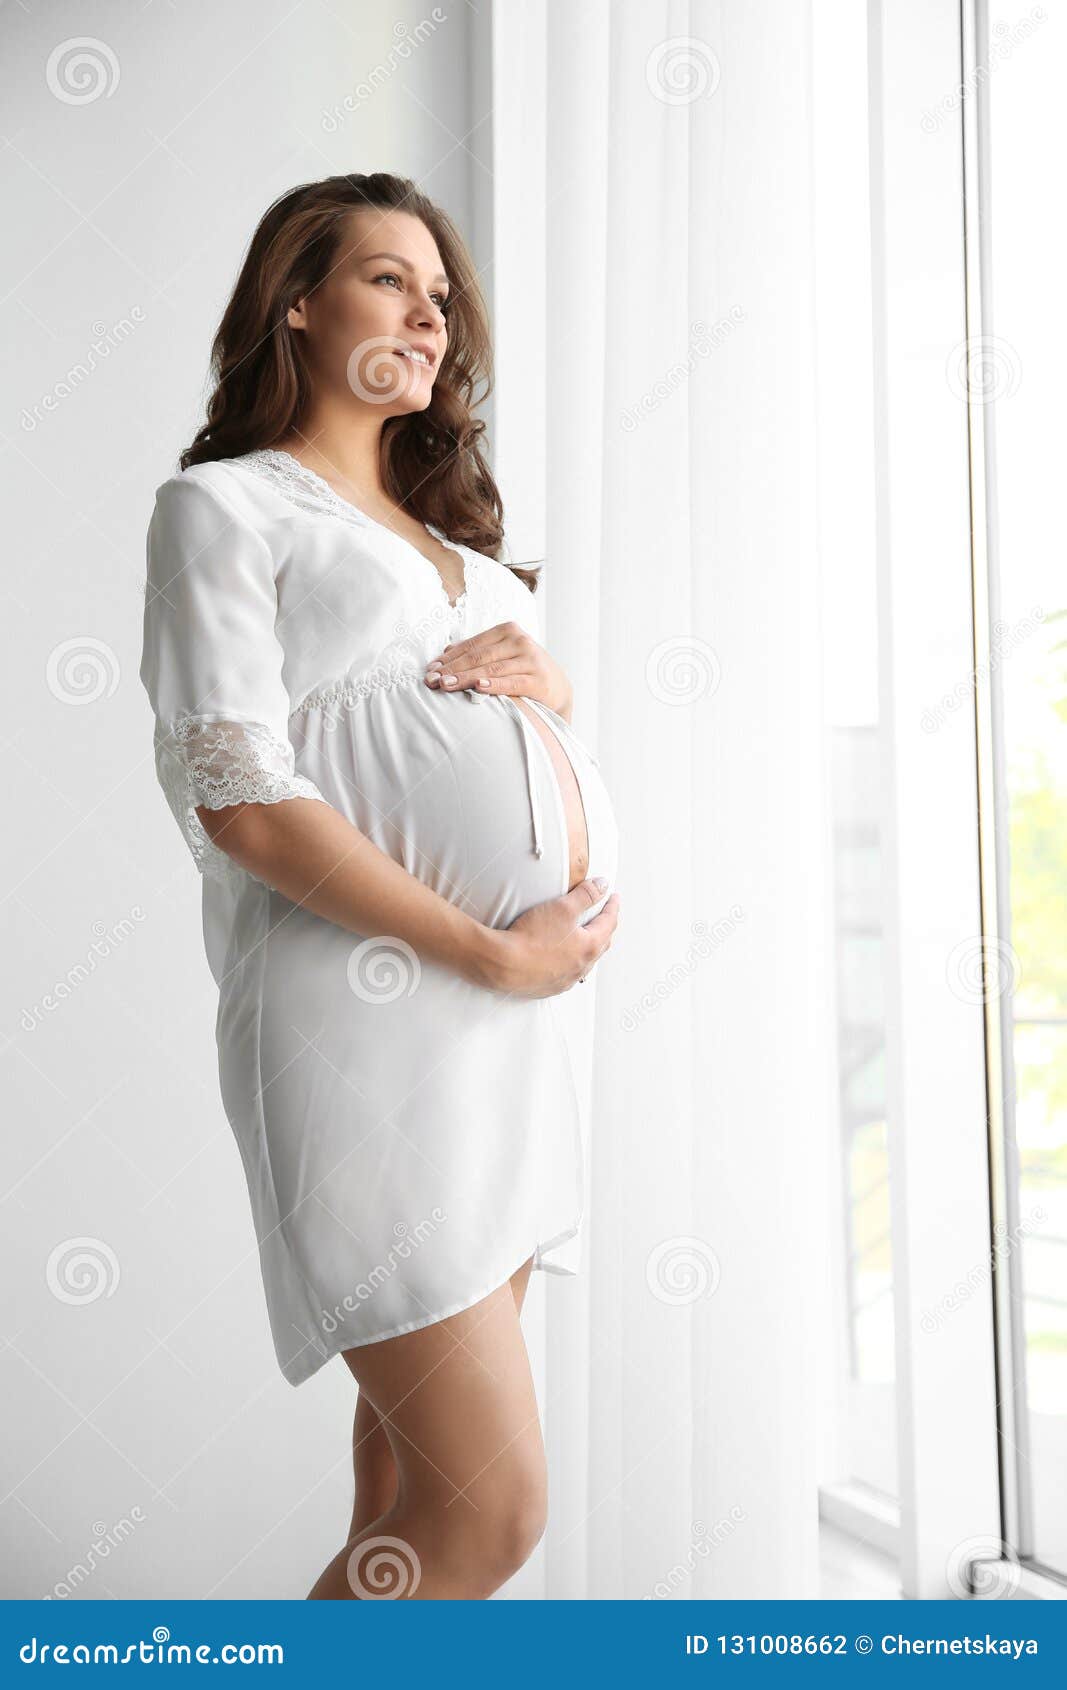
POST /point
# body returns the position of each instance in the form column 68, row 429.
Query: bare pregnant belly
column 570, row 794
column 494, row 818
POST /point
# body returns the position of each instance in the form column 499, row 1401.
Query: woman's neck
column 344, row 452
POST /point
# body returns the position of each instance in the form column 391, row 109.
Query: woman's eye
column 444, row 301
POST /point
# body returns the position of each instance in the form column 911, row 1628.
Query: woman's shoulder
column 221, row 476
column 221, row 485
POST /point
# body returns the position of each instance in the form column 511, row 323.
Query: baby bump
column 558, row 813
column 492, row 801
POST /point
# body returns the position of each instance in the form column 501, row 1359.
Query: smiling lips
column 417, row 355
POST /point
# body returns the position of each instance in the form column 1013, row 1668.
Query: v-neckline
column 291, row 467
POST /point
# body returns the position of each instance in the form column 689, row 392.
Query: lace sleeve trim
column 217, row 763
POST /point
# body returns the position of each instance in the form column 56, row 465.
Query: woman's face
column 375, row 327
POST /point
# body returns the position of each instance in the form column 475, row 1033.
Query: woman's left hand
column 504, row 659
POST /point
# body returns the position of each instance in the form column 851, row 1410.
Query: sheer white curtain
column 663, row 152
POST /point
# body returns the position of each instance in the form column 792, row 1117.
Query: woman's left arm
column 504, row 659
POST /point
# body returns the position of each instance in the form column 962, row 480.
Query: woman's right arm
column 315, row 857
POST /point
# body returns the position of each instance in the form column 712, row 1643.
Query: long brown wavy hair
column 432, row 461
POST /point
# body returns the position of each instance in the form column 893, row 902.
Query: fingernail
column 450, row 680
column 601, row 882
column 434, row 663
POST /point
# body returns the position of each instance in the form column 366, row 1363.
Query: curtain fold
column 682, row 597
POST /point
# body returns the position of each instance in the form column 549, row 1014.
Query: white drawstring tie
column 557, row 724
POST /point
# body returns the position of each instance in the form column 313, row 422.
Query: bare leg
column 372, row 1457
column 456, row 1403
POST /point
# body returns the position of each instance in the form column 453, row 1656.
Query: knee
column 516, row 1530
column 507, row 1528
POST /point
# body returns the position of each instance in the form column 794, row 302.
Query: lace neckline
column 304, row 487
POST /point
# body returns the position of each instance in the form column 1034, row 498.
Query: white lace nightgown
column 408, row 1139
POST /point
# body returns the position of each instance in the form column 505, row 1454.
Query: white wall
column 158, row 1402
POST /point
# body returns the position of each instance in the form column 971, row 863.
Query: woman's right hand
column 545, row 951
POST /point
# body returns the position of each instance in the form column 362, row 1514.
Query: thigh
column 458, row 1404
column 374, row 1448
column 370, row 1445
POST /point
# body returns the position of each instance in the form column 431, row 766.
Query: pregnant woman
column 406, row 852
